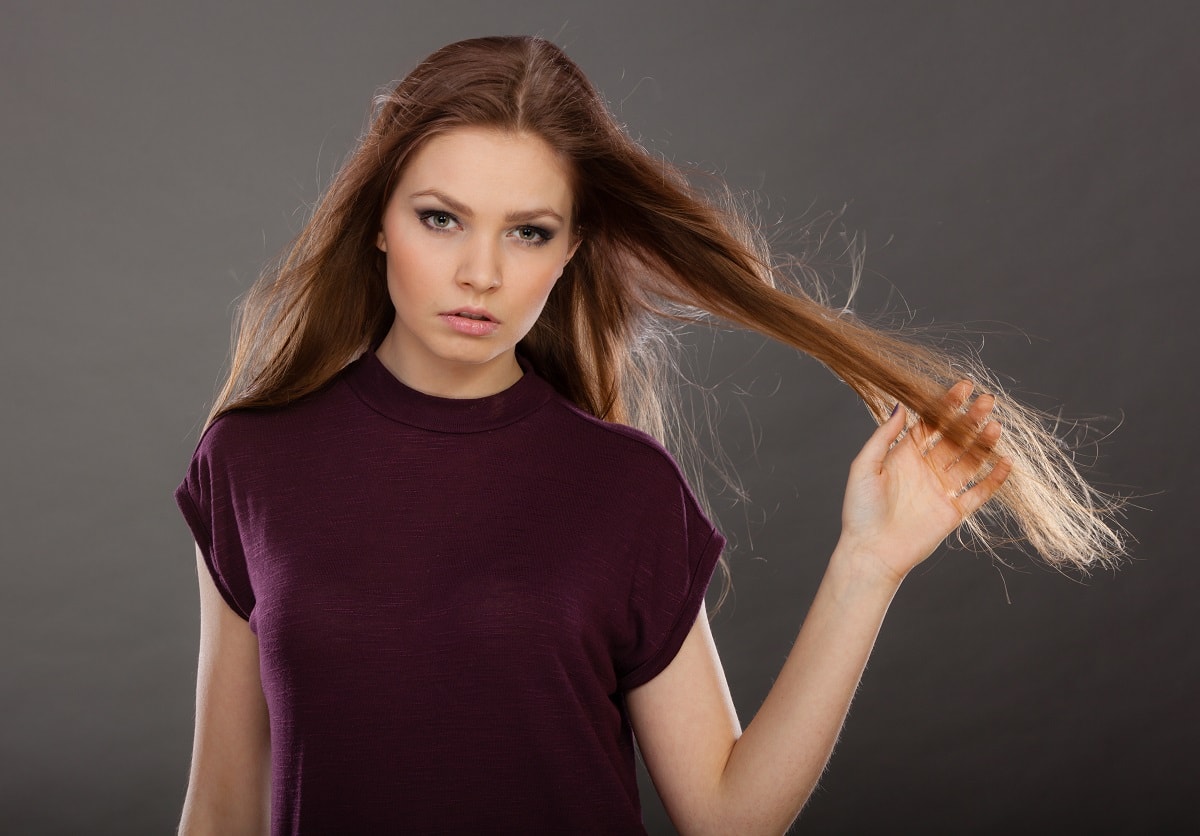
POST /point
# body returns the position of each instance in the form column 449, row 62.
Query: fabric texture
column 451, row 598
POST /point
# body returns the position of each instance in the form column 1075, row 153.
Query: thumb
column 877, row 446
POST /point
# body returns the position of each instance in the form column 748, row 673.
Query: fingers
column 973, row 498
column 968, row 471
column 962, row 469
column 928, row 441
column 944, row 453
column 962, row 466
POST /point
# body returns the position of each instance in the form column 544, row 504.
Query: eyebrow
column 512, row 217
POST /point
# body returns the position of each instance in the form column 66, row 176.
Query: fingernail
column 895, row 409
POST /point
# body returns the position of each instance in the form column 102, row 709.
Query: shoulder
column 234, row 442
column 259, row 430
column 255, row 449
column 625, row 450
column 619, row 437
column 628, row 475
column 232, row 433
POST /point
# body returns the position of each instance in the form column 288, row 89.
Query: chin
column 472, row 355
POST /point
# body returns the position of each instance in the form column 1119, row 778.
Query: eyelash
column 544, row 235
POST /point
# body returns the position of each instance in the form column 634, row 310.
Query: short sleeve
column 211, row 509
column 678, row 548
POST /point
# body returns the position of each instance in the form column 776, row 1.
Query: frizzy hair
column 654, row 248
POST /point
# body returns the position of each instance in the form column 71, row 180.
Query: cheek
column 539, row 291
column 545, row 276
column 408, row 267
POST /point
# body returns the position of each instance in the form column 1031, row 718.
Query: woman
column 447, row 570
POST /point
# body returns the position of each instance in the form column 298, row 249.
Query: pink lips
column 470, row 325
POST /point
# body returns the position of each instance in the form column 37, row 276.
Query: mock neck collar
column 383, row 392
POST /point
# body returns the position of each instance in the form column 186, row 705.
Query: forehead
column 490, row 169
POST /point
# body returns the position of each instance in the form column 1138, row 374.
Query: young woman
column 448, row 570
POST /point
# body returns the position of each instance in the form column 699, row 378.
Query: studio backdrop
column 1021, row 175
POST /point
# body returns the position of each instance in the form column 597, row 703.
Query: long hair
column 656, row 249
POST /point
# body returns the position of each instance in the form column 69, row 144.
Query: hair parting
column 656, row 250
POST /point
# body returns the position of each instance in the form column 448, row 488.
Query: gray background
column 1028, row 169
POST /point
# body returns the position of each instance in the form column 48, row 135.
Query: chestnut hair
column 655, row 249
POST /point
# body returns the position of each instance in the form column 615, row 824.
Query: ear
column 381, row 242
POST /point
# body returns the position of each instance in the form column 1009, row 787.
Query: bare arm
column 900, row 503
column 726, row 781
column 229, row 784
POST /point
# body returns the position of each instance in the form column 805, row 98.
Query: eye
column 437, row 219
column 534, row 235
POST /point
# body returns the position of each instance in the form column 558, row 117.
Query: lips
column 471, row 322
column 477, row 314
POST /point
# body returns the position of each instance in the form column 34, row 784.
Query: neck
column 448, row 378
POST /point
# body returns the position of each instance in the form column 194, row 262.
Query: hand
column 905, row 496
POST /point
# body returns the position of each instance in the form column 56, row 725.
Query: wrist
column 859, row 566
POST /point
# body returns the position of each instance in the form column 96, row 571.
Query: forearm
column 775, row 764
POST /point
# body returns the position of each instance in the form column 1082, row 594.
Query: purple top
column 450, row 598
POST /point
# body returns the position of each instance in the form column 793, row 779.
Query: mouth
column 472, row 322
column 473, row 314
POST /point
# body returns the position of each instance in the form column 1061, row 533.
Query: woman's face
column 475, row 234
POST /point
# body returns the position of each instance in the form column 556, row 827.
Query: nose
column 480, row 267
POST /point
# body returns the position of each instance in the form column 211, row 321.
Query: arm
column 901, row 501
column 229, row 784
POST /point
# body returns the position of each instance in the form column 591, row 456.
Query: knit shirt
column 451, row 598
